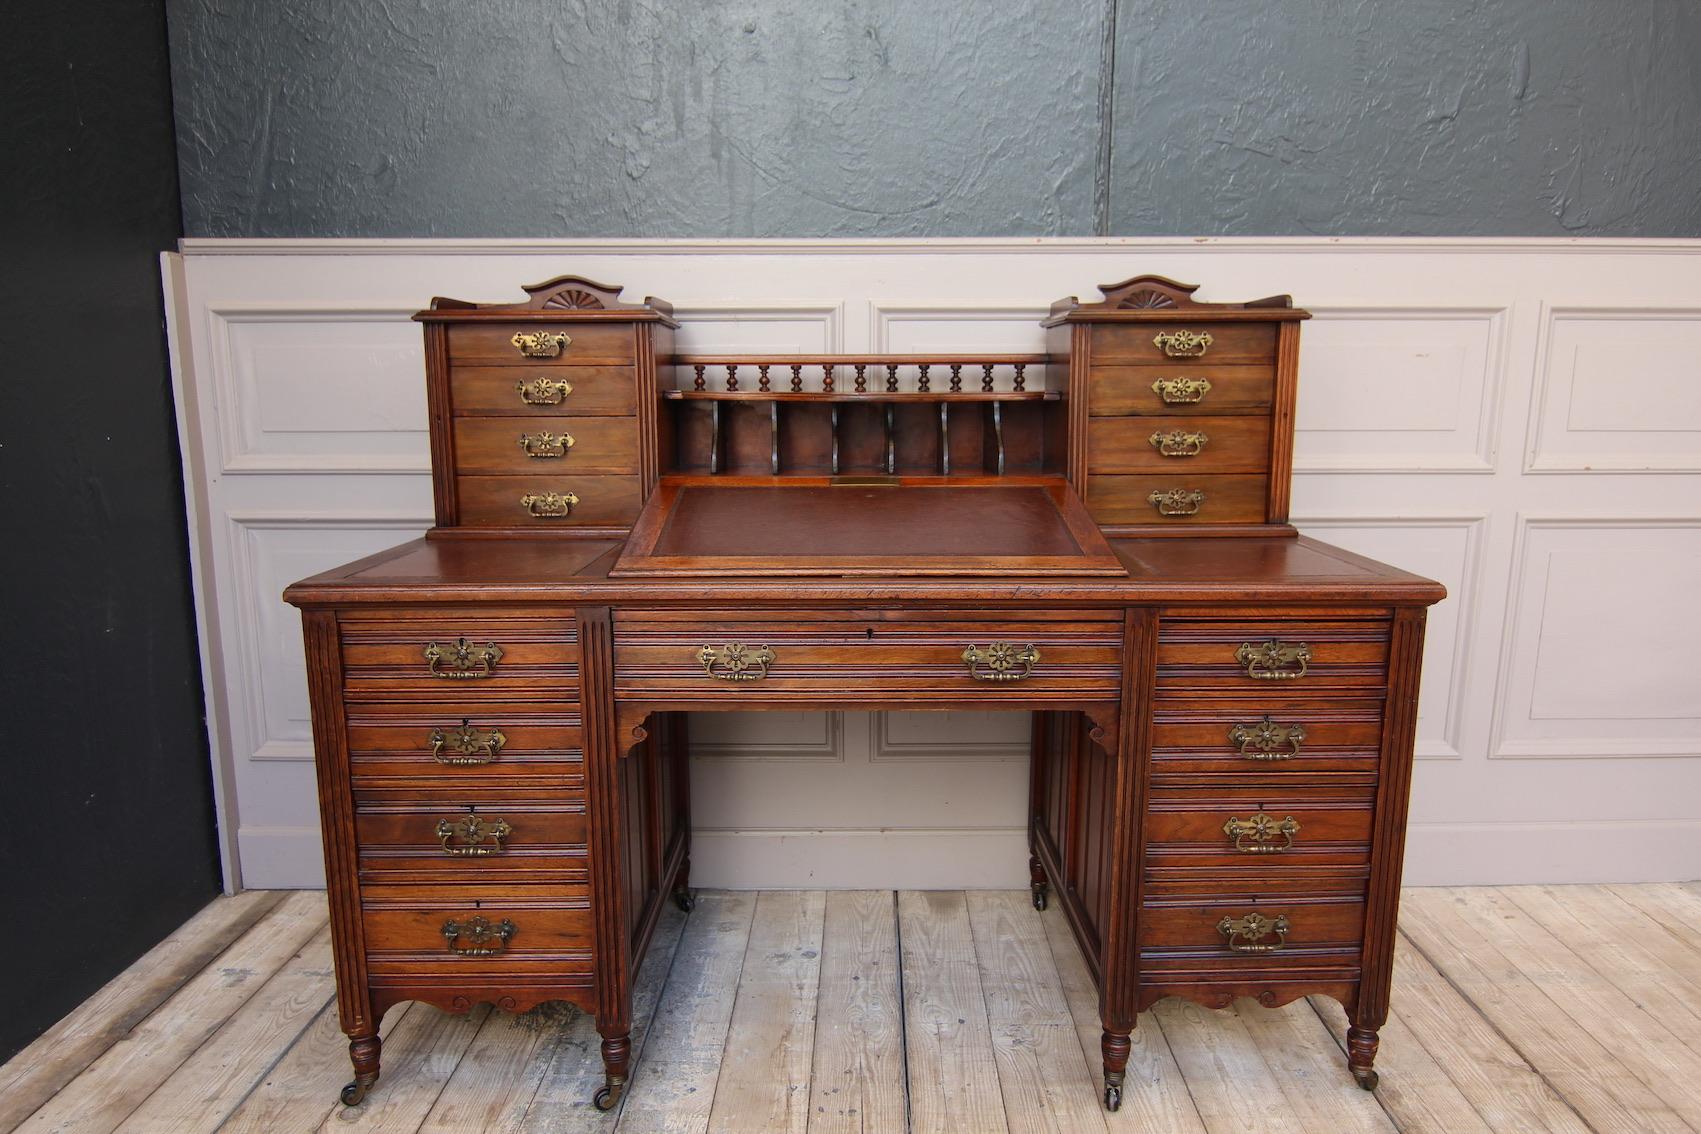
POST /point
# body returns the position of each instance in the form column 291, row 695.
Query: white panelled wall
column 1518, row 419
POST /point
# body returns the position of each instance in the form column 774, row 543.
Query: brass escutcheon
column 472, row 836
column 736, row 662
column 1181, row 391
column 478, row 934
column 540, row 344
column 461, row 658
column 1001, row 661
column 1274, row 660
column 1178, row 443
column 1264, row 740
column 1247, row 934
column 543, row 391
column 545, row 445
column 1183, row 344
column 1257, row 834
column 467, row 744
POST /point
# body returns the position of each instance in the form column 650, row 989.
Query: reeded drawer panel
column 1182, row 497
column 1178, row 446
column 1145, row 343
column 588, row 391
column 540, row 501
column 1268, row 737
column 1119, row 390
column 541, row 344
column 1287, row 659
column 531, row 445
column 856, row 655
column 469, row 924
column 1272, row 828
column 464, row 743
column 430, row 658
column 1254, row 930
column 471, row 835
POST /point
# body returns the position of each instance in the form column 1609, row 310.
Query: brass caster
column 1112, row 1097
column 1039, row 896
column 354, row 1093
column 608, row 1097
column 685, row 900
column 1367, row 1078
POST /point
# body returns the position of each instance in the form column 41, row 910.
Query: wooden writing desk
column 1223, row 710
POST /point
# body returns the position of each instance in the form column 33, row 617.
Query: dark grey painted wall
column 109, row 841
column 973, row 117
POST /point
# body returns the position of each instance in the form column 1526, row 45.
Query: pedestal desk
column 1223, row 710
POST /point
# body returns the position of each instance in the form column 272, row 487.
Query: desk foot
column 1116, row 1047
column 1361, row 1054
column 685, row 900
column 1041, row 888
column 363, row 1052
column 608, row 1097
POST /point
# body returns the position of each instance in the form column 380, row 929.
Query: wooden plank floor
column 1542, row 1008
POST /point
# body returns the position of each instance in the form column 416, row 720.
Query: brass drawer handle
column 545, row 445
column 1183, row 344
column 1176, row 501
column 1264, row 740
column 736, row 662
column 1001, row 661
column 1247, row 934
column 461, row 658
column 549, row 505
column 1178, row 443
column 1257, row 834
column 540, row 344
column 543, row 391
column 467, row 745
column 473, row 836
column 1181, row 391
column 1274, row 660
column 478, row 935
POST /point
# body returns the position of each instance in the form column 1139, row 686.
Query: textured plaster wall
column 965, row 117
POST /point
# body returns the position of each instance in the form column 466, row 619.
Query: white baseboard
column 975, row 859
column 1504, row 854
column 281, row 858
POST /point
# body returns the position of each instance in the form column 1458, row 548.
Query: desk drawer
column 1289, row 659
column 472, row 743
column 513, row 391
column 862, row 655
column 1175, row 446
column 542, row 344
column 545, row 502
column 1181, row 391
column 1180, row 344
column 1251, row 930
column 531, row 445
column 432, row 657
column 471, row 835
column 1280, row 829
column 489, row 926
column 1180, row 497
column 1275, row 739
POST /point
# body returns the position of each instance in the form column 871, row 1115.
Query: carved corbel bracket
column 631, row 727
column 1106, row 720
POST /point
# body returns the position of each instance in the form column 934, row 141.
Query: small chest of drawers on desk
column 1223, row 710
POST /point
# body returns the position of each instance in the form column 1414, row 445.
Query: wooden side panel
column 604, row 750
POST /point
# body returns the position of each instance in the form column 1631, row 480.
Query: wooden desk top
column 1170, row 571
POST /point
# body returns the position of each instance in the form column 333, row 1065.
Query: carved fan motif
column 1148, row 298
column 574, row 298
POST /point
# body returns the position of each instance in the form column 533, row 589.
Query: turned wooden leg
column 363, row 1053
column 1041, row 887
column 682, row 895
column 1361, row 1054
column 616, row 1055
column 1115, row 1046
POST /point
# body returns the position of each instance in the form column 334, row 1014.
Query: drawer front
column 1273, row 828
column 1181, row 390
column 503, row 391
column 1181, row 497
column 471, row 835
column 551, row 926
column 1178, row 446
column 1254, row 930
column 432, row 658
column 541, row 344
column 547, row 501
column 532, row 445
column 853, row 656
column 1257, row 657
column 1166, row 344
column 1274, row 739
column 473, row 744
